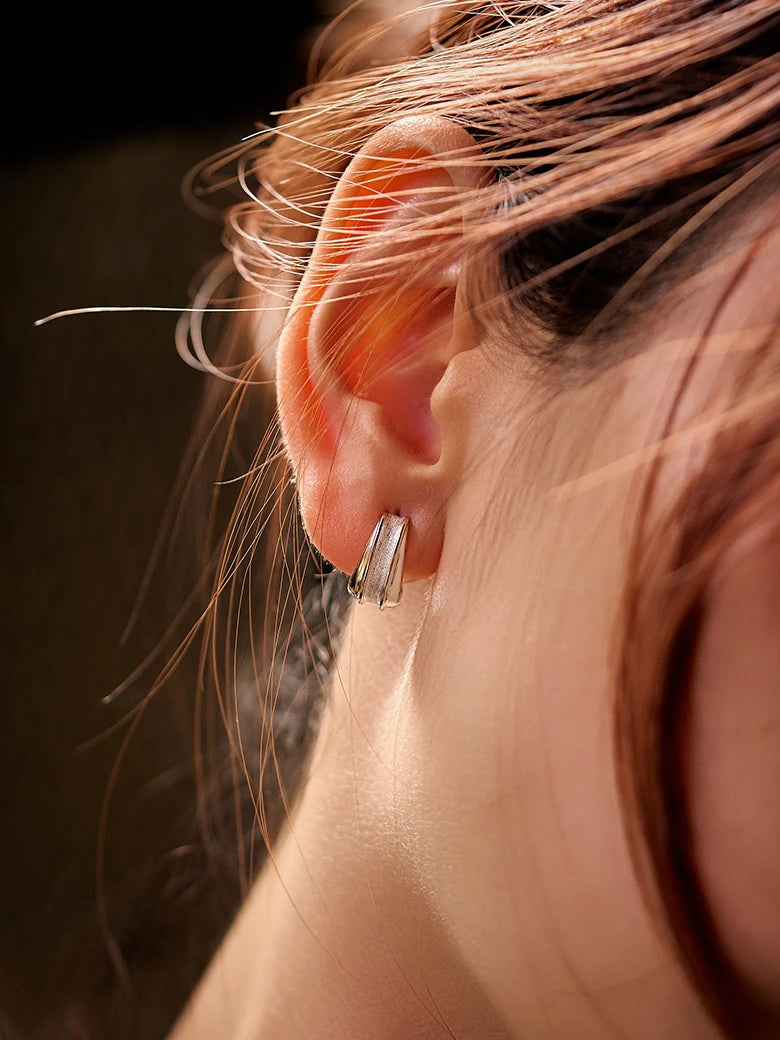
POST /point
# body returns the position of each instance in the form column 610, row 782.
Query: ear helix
column 378, row 576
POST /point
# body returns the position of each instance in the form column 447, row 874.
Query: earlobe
column 377, row 319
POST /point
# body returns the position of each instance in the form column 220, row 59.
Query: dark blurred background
column 105, row 113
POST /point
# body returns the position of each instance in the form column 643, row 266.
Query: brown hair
column 619, row 134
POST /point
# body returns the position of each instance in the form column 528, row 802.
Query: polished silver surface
column 379, row 574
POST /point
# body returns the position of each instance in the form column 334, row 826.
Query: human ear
column 377, row 323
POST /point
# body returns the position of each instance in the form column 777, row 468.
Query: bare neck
column 335, row 939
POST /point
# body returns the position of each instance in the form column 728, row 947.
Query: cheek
column 731, row 756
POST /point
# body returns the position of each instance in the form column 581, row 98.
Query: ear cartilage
column 378, row 576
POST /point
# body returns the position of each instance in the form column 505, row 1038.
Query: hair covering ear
column 373, row 328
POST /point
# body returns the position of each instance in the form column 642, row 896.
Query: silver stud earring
column 378, row 576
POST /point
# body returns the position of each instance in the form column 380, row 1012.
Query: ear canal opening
column 394, row 352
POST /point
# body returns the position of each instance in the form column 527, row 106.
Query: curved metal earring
column 378, row 576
